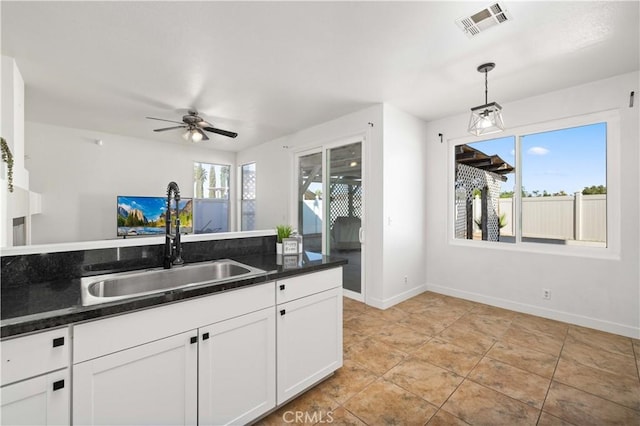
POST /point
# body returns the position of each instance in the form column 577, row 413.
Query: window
column 211, row 197
column 248, row 197
column 547, row 186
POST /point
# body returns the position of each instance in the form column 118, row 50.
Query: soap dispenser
column 298, row 237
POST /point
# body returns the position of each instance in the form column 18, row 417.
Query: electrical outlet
column 406, row 280
column 546, row 294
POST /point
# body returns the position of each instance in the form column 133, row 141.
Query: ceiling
column 268, row 69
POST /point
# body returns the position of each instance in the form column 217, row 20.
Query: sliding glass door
column 330, row 207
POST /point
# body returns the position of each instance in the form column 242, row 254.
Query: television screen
column 146, row 215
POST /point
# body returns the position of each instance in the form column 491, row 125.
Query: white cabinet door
column 150, row 384
column 43, row 400
column 237, row 379
column 309, row 341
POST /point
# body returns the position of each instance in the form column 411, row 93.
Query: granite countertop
column 44, row 305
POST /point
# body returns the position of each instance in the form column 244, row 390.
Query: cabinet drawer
column 36, row 354
column 105, row 336
column 305, row 285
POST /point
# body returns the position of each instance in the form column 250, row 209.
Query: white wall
column 404, row 146
column 602, row 293
column 79, row 180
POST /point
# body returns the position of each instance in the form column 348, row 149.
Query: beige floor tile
column 494, row 311
column 519, row 336
column 491, row 325
column 601, row 340
column 547, row 419
column 581, row 408
column 476, row 404
column 443, row 418
column 463, row 335
column 304, row 410
column 425, row 380
column 388, row 315
column 444, row 311
column 553, row 328
column 352, row 305
column 347, row 381
column 598, row 358
column 465, row 305
column 349, row 337
column 511, row 381
column 636, row 350
column 451, row 357
column 401, row 337
column 364, row 324
column 427, row 325
column 384, row 403
column 342, row 417
column 374, row 355
column 537, row 362
column 624, row 390
column 413, row 305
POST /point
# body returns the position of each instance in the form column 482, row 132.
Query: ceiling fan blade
column 162, row 119
column 204, row 135
column 220, row 132
column 169, row 128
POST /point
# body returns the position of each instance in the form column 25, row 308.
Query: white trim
column 614, row 199
column 581, row 320
column 127, row 242
column 398, row 298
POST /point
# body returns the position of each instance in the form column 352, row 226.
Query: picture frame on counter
column 289, row 246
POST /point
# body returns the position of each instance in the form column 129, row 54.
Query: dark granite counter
column 40, row 305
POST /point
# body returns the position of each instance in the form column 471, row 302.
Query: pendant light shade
column 486, row 119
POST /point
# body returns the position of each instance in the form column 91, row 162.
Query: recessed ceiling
column 267, row 69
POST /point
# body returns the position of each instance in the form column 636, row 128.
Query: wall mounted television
column 146, row 215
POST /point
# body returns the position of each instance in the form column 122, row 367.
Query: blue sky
column 561, row 160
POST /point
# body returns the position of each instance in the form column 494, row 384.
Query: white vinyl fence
column 579, row 217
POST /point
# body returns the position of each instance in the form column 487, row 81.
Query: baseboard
column 567, row 317
column 387, row 303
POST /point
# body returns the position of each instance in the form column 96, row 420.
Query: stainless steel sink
column 123, row 285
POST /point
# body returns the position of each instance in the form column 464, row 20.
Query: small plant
column 7, row 157
column 284, row 231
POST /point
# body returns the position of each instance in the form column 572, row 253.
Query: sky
column 561, row 160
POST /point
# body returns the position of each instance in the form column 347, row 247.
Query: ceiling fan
column 196, row 127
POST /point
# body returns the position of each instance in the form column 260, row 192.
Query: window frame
column 613, row 161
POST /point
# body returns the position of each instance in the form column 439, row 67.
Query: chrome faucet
column 172, row 246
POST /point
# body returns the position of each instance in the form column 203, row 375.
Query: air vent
column 483, row 19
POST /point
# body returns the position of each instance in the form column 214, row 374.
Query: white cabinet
column 309, row 330
column 237, row 381
column 42, row 400
column 219, row 369
column 35, row 379
column 151, row 384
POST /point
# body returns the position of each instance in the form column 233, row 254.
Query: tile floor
column 439, row 360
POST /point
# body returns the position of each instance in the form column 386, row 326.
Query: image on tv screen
column 146, row 215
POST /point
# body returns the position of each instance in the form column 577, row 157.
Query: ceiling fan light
column 486, row 119
column 186, row 135
column 196, row 136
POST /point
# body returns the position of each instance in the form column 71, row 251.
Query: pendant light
column 486, row 119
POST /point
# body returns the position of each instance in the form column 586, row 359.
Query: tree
column 200, row 175
column 593, row 189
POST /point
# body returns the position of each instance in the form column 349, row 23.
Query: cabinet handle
column 194, row 339
column 58, row 385
column 282, row 311
column 205, row 336
column 281, row 286
column 59, row 341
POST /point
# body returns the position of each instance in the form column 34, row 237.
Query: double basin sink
column 124, row 285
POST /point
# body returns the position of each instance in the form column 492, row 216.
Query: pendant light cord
column 486, row 87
